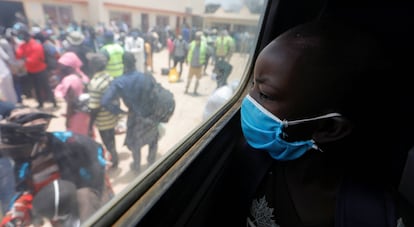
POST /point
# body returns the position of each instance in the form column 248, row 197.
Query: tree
column 255, row 6
column 211, row 8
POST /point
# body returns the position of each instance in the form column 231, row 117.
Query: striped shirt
column 96, row 87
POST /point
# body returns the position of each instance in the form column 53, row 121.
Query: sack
column 161, row 130
column 82, row 104
column 162, row 103
column 173, row 75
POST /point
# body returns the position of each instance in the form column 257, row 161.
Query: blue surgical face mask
column 263, row 130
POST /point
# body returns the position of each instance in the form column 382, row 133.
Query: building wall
column 179, row 6
column 34, row 10
column 95, row 11
column 99, row 10
column 176, row 10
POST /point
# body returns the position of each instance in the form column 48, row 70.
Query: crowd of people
column 217, row 45
column 92, row 71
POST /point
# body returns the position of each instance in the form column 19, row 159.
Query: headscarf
column 72, row 60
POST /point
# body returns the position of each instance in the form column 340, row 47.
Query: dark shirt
column 132, row 87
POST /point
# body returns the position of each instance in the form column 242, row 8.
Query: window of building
column 122, row 19
column 162, row 21
column 58, row 15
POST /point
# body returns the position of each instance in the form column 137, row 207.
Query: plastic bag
column 161, row 130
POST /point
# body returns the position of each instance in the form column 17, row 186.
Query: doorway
column 8, row 12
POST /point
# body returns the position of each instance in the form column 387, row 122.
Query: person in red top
column 33, row 55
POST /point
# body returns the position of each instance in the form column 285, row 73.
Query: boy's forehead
column 282, row 46
column 283, row 66
column 275, row 70
column 277, row 57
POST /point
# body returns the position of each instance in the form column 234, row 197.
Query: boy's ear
column 332, row 129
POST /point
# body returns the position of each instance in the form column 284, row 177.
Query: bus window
column 88, row 87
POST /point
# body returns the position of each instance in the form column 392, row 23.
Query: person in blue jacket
column 133, row 88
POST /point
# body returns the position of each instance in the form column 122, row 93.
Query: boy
column 302, row 111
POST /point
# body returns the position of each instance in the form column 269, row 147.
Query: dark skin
column 310, row 71
column 288, row 91
column 291, row 93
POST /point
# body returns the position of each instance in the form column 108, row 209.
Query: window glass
column 126, row 82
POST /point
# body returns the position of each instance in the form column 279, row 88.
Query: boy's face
column 284, row 85
column 276, row 83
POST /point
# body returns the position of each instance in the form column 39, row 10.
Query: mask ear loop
column 286, row 123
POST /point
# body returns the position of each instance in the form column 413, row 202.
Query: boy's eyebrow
column 259, row 79
column 265, row 80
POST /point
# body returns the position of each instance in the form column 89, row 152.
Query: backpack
column 163, row 103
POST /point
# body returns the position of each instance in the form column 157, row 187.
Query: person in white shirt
column 7, row 91
column 134, row 43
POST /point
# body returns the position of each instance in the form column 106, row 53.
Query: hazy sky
column 224, row 3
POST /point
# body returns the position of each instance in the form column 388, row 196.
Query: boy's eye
column 252, row 85
column 263, row 96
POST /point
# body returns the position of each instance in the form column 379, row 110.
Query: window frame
column 138, row 198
